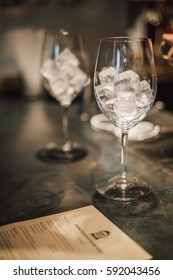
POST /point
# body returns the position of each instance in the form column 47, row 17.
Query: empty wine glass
column 125, row 84
column 65, row 74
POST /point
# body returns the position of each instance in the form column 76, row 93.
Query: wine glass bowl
column 65, row 75
column 125, row 84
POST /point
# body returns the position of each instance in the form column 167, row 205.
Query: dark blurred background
column 23, row 25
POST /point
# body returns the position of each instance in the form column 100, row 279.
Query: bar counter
column 31, row 188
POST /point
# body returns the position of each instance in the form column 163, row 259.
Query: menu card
column 82, row 233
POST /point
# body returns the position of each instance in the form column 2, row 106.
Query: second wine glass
column 65, row 73
column 125, row 84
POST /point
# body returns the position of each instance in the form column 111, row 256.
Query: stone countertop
column 31, row 188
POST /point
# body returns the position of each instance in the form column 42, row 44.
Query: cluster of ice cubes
column 66, row 78
column 123, row 94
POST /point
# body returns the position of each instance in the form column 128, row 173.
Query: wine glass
column 125, row 84
column 65, row 75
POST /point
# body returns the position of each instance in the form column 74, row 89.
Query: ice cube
column 107, row 75
column 58, row 85
column 61, row 90
column 68, row 65
column 48, row 69
column 109, row 105
column 66, row 79
column 71, row 77
column 144, row 97
column 78, row 79
column 64, row 69
column 127, row 81
column 126, row 104
column 145, row 87
column 68, row 57
column 105, row 92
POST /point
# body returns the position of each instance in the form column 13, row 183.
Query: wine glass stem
column 124, row 141
column 65, row 128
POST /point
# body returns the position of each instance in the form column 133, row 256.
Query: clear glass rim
column 125, row 39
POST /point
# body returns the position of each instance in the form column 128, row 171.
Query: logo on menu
column 100, row 234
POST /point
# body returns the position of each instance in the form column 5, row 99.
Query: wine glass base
column 57, row 154
column 118, row 189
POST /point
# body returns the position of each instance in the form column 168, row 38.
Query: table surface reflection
column 31, row 188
